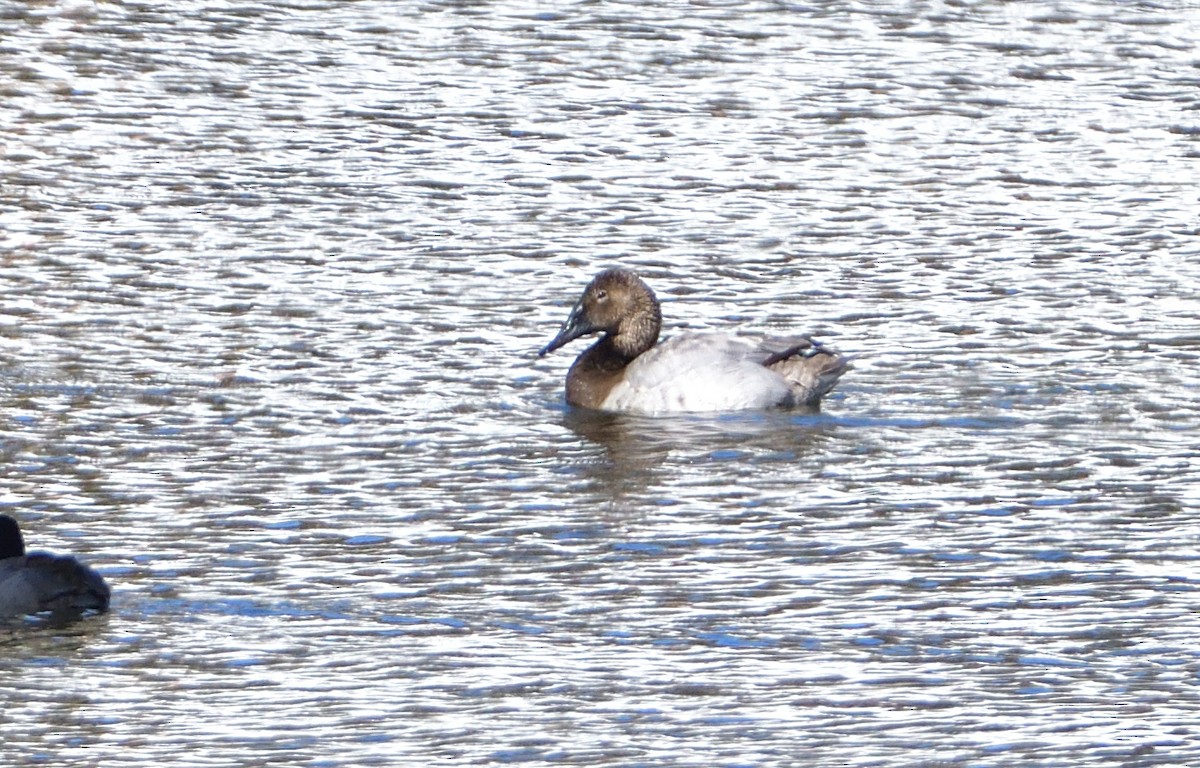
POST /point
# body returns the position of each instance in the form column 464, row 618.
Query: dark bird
column 39, row 581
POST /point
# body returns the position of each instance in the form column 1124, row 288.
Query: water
column 274, row 280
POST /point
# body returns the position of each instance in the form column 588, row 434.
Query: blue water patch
column 249, row 608
column 571, row 534
column 1053, row 502
column 725, row 640
column 644, row 547
column 957, row 557
column 618, row 634
column 522, row 755
column 366, row 539
column 994, row 511
column 1057, row 574
column 902, row 650
column 1047, row 661
column 405, row 620
column 61, row 459
column 191, row 610
column 375, row 738
column 998, row 748
column 705, row 541
column 667, row 641
column 448, row 538
column 450, row 622
column 417, row 621
column 328, row 490
column 1052, row 555
column 395, row 485
column 728, row 720
column 525, row 629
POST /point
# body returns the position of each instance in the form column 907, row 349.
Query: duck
column 628, row 371
column 35, row 582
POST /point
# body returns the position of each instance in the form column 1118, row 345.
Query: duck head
column 621, row 306
column 12, row 543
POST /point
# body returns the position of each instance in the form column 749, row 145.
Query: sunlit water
column 274, row 278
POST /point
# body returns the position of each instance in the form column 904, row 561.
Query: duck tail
column 811, row 368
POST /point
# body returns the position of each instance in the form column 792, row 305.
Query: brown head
column 621, row 306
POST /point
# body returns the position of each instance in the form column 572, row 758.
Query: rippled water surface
column 274, row 277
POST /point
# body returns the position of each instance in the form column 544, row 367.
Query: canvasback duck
column 626, row 370
column 39, row 581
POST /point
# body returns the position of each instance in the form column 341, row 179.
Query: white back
column 698, row 372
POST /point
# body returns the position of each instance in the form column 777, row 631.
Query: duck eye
column 601, row 294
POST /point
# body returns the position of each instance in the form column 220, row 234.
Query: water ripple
column 276, row 277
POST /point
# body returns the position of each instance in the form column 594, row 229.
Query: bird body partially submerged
column 37, row 582
column 627, row 370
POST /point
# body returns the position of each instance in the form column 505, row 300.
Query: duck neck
column 615, row 350
column 638, row 331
